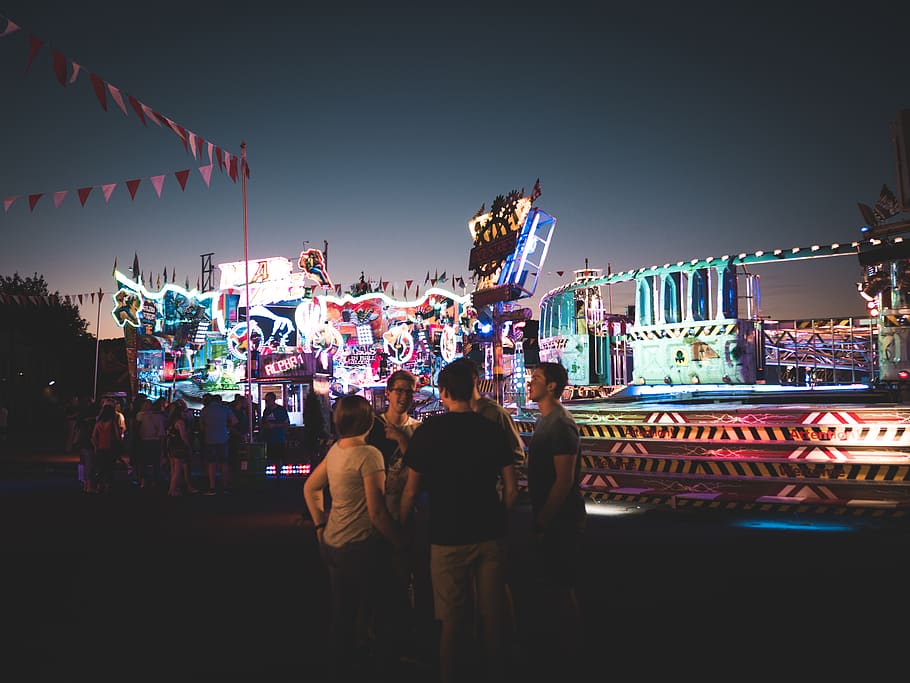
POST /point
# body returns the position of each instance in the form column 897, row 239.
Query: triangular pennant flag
column 137, row 107
column 192, row 142
column 338, row 290
column 83, row 193
column 115, row 266
column 233, row 171
column 34, row 44
column 33, row 200
column 157, row 183
column 181, row 131
column 560, row 272
column 158, row 286
column 132, row 186
column 198, row 283
column 427, row 278
column 407, row 285
column 118, row 98
column 227, row 161
column 181, row 177
column 10, row 28
column 59, row 197
column 108, row 190
column 76, row 69
column 80, row 299
column 150, row 115
column 442, row 278
column 174, row 276
column 98, row 85
column 165, row 275
column 393, row 292
column 59, row 66
column 199, row 142
column 218, row 156
column 186, row 283
column 383, row 284
column 206, row 173
column 211, row 148
column 136, row 265
column 9, row 201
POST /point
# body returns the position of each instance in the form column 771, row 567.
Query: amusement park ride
column 695, row 400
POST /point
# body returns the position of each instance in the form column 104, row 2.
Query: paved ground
column 140, row 587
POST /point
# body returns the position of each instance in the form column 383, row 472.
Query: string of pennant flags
column 67, row 72
column 52, row 299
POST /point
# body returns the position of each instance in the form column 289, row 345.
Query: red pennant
column 34, row 44
column 137, row 107
column 59, row 67
column 199, row 142
column 181, row 177
column 98, row 85
column 84, row 192
column 33, row 199
column 220, row 160
column 132, row 186
column 407, row 285
column 181, row 131
column 233, row 171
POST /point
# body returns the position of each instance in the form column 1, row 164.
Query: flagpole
column 97, row 344
column 246, row 279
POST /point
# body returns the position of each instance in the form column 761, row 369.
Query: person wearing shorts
column 217, row 419
column 461, row 457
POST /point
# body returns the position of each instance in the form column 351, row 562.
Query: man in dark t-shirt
column 459, row 458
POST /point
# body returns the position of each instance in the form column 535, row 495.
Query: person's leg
column 451, row 578
column 490, row 603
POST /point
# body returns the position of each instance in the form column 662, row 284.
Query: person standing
column 558, row 514
column 354, row 532
column 106, row 438
column 217, row 420
column 391, row 432
column 274, row 427
column 178, row 447
column 150, row 423
column 460, row 457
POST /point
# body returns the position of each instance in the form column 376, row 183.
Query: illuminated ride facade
column 188, row 342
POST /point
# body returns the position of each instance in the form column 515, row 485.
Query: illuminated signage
column 272, row 269
column 280, row 365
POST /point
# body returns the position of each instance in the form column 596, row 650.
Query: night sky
column 659, row 133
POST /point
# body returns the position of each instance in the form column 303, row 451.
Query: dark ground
column 140, row 587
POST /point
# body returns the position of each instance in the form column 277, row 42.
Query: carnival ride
column 696, row 400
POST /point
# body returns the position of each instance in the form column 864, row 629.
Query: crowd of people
column 157, row 441
column 412, row 519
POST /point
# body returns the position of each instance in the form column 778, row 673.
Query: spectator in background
column 274, row 428
column 106, row 440
column 178, row 449
column 150, row 425
column 217, row 420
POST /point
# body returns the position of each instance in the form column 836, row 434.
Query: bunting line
column 103, row 88
column 107, row 189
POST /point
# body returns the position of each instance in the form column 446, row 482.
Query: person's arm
column 409, row 496
column 398, row 435
column 509, row 486
column 564, row 464
column 374, row 487
column 313, row 495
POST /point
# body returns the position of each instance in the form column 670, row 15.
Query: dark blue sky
column 659, row 133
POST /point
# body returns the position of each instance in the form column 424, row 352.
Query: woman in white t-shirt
column 354, row 531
